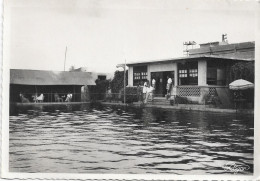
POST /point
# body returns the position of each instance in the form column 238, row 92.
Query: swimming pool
column 102, row 139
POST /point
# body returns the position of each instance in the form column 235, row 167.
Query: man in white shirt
column 153, row 83
column 168, row 87
column 149, row 93
column 169, row 83
column 154, row 86
column 69, row 97
column 144, row 90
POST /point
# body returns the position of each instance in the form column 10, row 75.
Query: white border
column 5, row 130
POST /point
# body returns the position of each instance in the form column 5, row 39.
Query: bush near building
column 118, row 81
column 131, row 94
column 98, row 91
column 244, row 71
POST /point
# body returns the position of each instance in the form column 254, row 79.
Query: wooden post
column 74, row 93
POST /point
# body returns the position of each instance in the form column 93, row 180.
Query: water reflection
column 96, row 139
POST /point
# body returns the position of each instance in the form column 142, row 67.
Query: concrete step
column 159, row 102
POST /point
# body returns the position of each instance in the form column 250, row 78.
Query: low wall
column 196, row 94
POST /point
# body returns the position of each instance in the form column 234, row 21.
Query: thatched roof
column 42, row 77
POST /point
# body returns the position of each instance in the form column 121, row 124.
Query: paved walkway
column 185, row 107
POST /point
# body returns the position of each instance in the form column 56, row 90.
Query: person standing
column 154, row 87
column 69, row 97
column 149, row 93
column 109, row 94
column 168, row 86
column 153, row 83
column 145, row 90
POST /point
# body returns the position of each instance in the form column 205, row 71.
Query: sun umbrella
column 241, row 84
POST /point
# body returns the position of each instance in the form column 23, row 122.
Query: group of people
column 40, row 98
column 149, row 90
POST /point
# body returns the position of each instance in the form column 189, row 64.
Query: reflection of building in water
column 49, row 83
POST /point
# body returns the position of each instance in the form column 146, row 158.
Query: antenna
column 65, row 58
column 186, row 47
column 224, row 38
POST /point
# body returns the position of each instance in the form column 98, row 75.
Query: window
column 188, row 73
column 211, row 76
column 216, row 73
column 193, row 72
column 139, row 74
column 183, row 73
column 144, row 75
column 102, row 77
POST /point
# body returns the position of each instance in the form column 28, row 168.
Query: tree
column 101, row 88
column 243, row 70
column 102, row 85
column 118, row 81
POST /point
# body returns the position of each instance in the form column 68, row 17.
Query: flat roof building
column 206, row 69
column 31, row 82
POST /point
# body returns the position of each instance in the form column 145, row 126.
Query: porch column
column 202, row 72
column 149, row 74
column 174, row 88
column 130, row 76
column 175, row 74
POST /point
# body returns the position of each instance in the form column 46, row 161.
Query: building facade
column 204, row 72
column 49, row 83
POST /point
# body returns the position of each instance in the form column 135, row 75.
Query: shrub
column 243, row 70
column 182, row 100
column 212, row 99
column 98, row 91
column 118, row 81
column 131, row 94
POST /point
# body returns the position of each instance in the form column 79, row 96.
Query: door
column 158, row 76
column 165, row 75
column 161, row 81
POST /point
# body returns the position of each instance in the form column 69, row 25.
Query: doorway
column 161, row 82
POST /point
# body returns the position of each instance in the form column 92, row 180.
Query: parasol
column 241, row 84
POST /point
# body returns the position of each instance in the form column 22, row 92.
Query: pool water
column 103, row 139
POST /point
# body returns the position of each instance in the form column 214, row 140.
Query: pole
column 124, row 80
column 65, row 58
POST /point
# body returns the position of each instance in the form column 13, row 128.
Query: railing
column 212, row 91
column 196, row 91
column 188, row 91
column 47, row 97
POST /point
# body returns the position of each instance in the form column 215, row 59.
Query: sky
column 99, row 34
